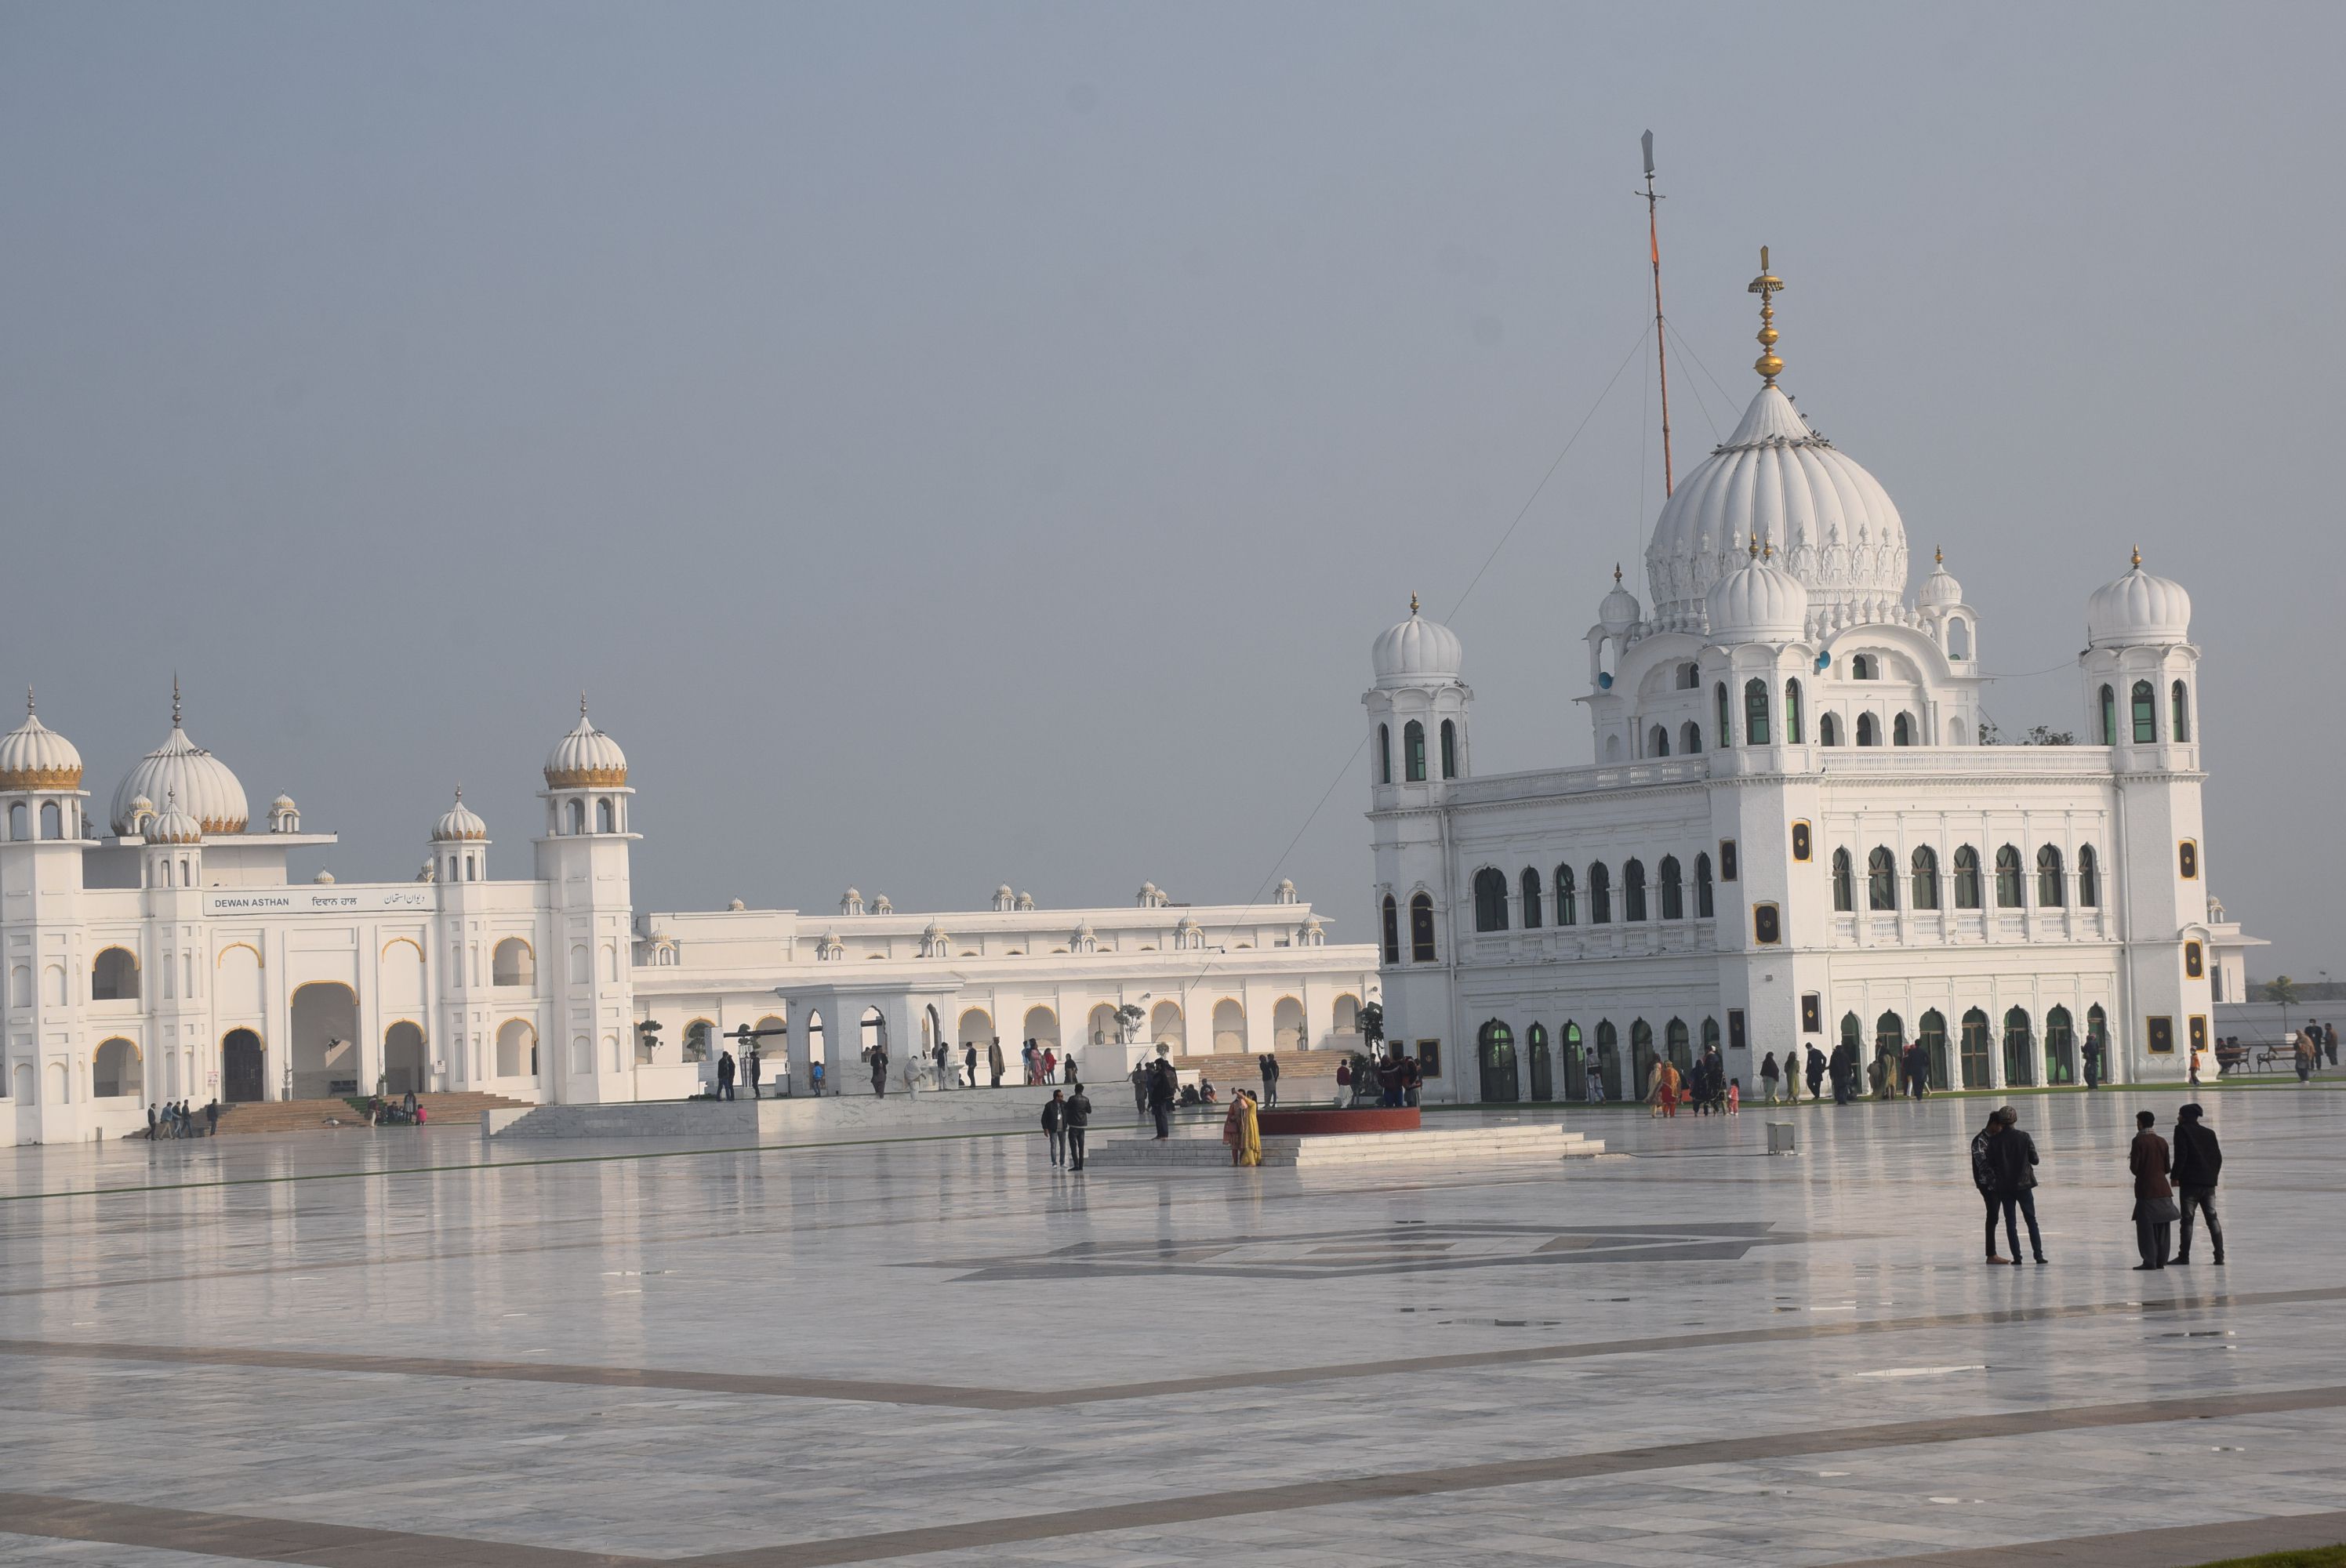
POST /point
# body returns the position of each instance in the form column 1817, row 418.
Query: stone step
column 1458, row 1144
column 338, row 1115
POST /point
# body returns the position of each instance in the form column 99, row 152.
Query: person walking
column 1270, row 1079
column 2155, row 1213
column 1987, row 1175
column 212, row 1126
column 947, row 1078
column 1141, row 1092
column 1816, row 1066
column 724, row 1075
column 2307, row 1054
column 1595, row 1083
column 2198, row 1160
column 1055, row 1126
column 993, row 1059
column 2330, row 1042
column 880, row 1071
column 1768, row 1079
column 1343, row 1080
column 1050, row 1065
column 969, row 1062
column 150, row 1121
column 752, row 1068
column 2015, row 1160
column 1164, row 1088
column 1079, row 1116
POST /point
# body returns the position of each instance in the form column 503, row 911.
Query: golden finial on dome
column 1755, row 546
column 1768, row 551
column 175, row 700
column 28, row 702
column 2138, row 557
column 1617, row 574
column 1766, row 285
column 1412, row 604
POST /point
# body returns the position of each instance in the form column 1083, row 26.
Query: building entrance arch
column 1287, row 1031
column 1576, row 1064
column 1977, row 1061
column 117, row 1070
column 404, row 1067
column 1230, row 1028
column 1890, row 1048
column 2060, row 1047
column 1932, row 1035
column 1495, row 1048
column 1609, row 1058
column 325, row 1051
column 1543, row 1065
column 1641, row 1056
column 2019, row 1050
column 1165, row 1027
column 243, row 1068
column 1041, row 1026
column 975, row 1028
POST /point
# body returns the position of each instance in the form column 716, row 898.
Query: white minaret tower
column 42, row 1035
column 589, row 1053
column 1419, row 748
column 2142, row 692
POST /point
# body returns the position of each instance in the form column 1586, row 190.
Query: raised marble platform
column 764, row 1120
column 1318, row 1121
column 1459, row 1145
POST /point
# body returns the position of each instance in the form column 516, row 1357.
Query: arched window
column 1421, row 929
column 1959, row 638
column 1677, row 1042
column 1530, row 882
column 472, row 867
column 1755, row 712
column 1689, row 677
column 1657, row 741
column 603, row 816
column 1449, row 749
column 2146, row 713
column 2052, row 891
column 16, row 819
column 1490, row 899
column 1413, row 751
column 2007, row 878
column 1702, row 909
column 53, row 822
column 1726, row 730
column 1828, row 729
column 1881, row 879
column 513, row 964
column 2089, row 878
column 1392, row 929
column 1673, row 890
column 2178, row 713
column 578, row 816
column 1844, row 883
column 1792, row 735
column 1600, row 895
column 1568, row 910
column 114, row 975
column 1641, row 1055
column 1868, row 732
column 2060, row 1047
column 1384, row 753
column 2109, row 717
column 1925, row 865
column 1860, row 667
column 2019, row 1050
column 1633, row 890
column 1689, row 738
column 1967, row 877
column 1902, row 730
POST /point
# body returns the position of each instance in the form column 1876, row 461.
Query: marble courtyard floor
column 394, row 1347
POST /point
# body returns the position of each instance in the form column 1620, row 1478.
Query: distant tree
column 2280, row 988
column 1373, row 1023
column 2044, row 735
column 1989, row 735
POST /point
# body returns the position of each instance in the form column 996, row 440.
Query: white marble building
column 1793, row 834
column 157, row 951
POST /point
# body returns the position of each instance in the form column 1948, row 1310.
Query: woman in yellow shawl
column 1242, row 1132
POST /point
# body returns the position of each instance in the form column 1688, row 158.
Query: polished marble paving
column 390, row 1346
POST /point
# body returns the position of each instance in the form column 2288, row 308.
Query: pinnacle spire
column 1766, row 285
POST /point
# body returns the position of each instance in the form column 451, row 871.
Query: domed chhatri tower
column 583, row 863
column 1796, row 831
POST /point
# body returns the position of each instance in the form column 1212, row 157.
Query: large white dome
column 183, row 774
column 585, row 759
column 2140, row 608
column 1831, row 524
column 1416, row 651
column 35, row 757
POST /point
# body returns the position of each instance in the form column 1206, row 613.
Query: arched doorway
column 1932, row 1034
column 2097, row 1039
column 1609, row 1058
column 975, row 1028
column 1680, row 1046
column 1641, row 1056
column 1165, row 1027
column 1230, row 1027
column 114, row 976
column 243, row 1078
column 872, row 1036
column 1042, row 1026
column 116, row 1071
column 1575, row 1064
column 1287, row 1028
column 325, row 1040
column 2019, row 1050
column 1543, row 1068
column 1978, row 1067
column 2060, row 1047
column 517, row 1047
column 403, row 1059
column 1890, row 1048
column 1495, row 1047
column 1103, row 1027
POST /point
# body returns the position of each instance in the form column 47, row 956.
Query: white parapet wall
column 764, row 1120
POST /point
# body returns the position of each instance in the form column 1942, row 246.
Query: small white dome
column 933, row 931
column 2140, row 608
column 1003, row 891
column 1940, row 590
column 737, row 906
column 173, row 826
column 1620, row 609
column 1757, row 602
column 182, row 771
column 35, row 757
column 585, row 759
column 282, row 803
column 323, row 878
column 459, row 824
column 1416, row 651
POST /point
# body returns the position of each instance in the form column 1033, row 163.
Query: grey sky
column 954, row 444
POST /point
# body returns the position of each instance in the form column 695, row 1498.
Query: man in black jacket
column 2198, row 1160
column 1816, row 1066
column 1985, row 1175
column 2015, row 1187
column 1079, row 1115
column 1163, row 1088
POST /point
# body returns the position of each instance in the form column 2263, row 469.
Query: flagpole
column 1661, row 353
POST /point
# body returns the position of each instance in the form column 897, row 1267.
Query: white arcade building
column 1793, row 834
column 159, row 953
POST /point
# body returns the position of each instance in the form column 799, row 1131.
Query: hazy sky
column 956, row 444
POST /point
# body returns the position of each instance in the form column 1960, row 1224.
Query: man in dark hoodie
column 2198, row 1160
column 2015, row 1187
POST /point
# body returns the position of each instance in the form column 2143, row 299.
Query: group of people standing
column 1066, row 1120
column 1706, row 1087
column 751, row 1070
column 1395, row 1080
column 173, row 1119
column 2004, row 1169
